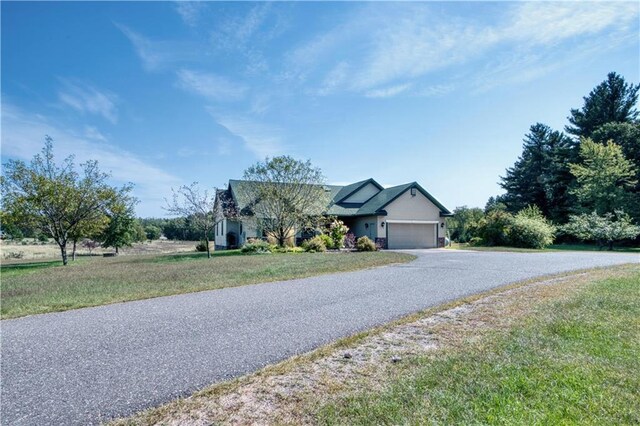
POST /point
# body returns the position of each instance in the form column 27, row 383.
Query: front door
column 371, row 231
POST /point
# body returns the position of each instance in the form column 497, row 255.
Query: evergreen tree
column 612, row 101
column 541, row 174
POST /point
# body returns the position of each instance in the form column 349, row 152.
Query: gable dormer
column 356, row 194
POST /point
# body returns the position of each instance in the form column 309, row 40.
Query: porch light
column 382, row 224
column 442, row 225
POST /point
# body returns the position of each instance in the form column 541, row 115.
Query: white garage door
column 411, row 236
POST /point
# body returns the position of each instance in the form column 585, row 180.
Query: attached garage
column 411, row 234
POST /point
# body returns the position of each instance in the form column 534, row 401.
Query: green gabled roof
column 374, row 206
column 382, row 198
column 348, row 190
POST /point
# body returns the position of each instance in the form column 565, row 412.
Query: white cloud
column 393, row 45
column 23, row 136
column 259, row 139
column 88, row 99
column 335, row 79
column 237, row 32
column 387, row 92
column 210, row 85
column 435, row 90
column 190, row 11
column 156, row 55
column 93, row 133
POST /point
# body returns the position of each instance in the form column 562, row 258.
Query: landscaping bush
column 337, row 232
column 604, row 230
column 365, row 244
column 326, row 240
column 315, row 244
column 350, row 241
column 258, row 246
column 201, row 246
column 287, row 249
column 495, row 228
column 531, row 231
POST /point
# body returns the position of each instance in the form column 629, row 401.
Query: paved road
column 91, row 365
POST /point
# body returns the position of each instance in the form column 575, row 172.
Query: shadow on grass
column 182, row 257
column 25, row 266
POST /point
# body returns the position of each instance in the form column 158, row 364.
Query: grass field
column 574, row 361
column 556, row 350
column 30, row 250
column 40, row 287
column 551, row 248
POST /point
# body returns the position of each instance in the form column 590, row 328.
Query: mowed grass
column 32, row 288
column 575, row 362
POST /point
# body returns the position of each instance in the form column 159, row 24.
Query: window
column 413, row 192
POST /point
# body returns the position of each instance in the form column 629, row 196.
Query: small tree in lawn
column 196, row 204
column 284, row 195
column 604, row 230
column 121, row 227
column 53, row 199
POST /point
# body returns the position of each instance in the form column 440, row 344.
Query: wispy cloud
column 387, row 92
column 389, row 46
column 260, row 139
column 190, row 11
column 236, row 32
column 210, row 85
column 89, row 100
column 157, row 54
column 23, row 136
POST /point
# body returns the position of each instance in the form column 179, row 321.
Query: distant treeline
column 173, row 229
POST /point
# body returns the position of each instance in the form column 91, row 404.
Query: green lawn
column 576, row 361
column 553, row 247
column 39, row 287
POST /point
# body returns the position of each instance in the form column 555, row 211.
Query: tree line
column 584, row 182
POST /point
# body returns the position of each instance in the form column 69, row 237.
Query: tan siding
column 363, row 194
column 418, row 207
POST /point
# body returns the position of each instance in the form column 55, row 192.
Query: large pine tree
column 612, row 101
column 541, row 174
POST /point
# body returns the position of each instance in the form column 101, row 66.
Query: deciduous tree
column 55, row 199
column 604, row 177
column 198, row 206
column 285, row 195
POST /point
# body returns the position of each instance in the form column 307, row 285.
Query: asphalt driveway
column 91, row 365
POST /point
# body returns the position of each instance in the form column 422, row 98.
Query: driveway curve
column 91, row 365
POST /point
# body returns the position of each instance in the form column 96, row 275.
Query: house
column 401, row 217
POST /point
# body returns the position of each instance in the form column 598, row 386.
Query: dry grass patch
column 320, row 387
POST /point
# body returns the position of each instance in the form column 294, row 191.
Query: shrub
column 315, row 244
column 531, row 231
column 495, row 228
column 365, row 244
column 350, row 241
column 604, row 230
column 289, row 250
column 326, row 240
column 43, row 238
column 272, row 240
column 258, row 246
column 201, row 246
column 337, row 232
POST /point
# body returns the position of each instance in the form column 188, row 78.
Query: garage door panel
column 410, row 236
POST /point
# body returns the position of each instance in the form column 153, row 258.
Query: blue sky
column 165, row 93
